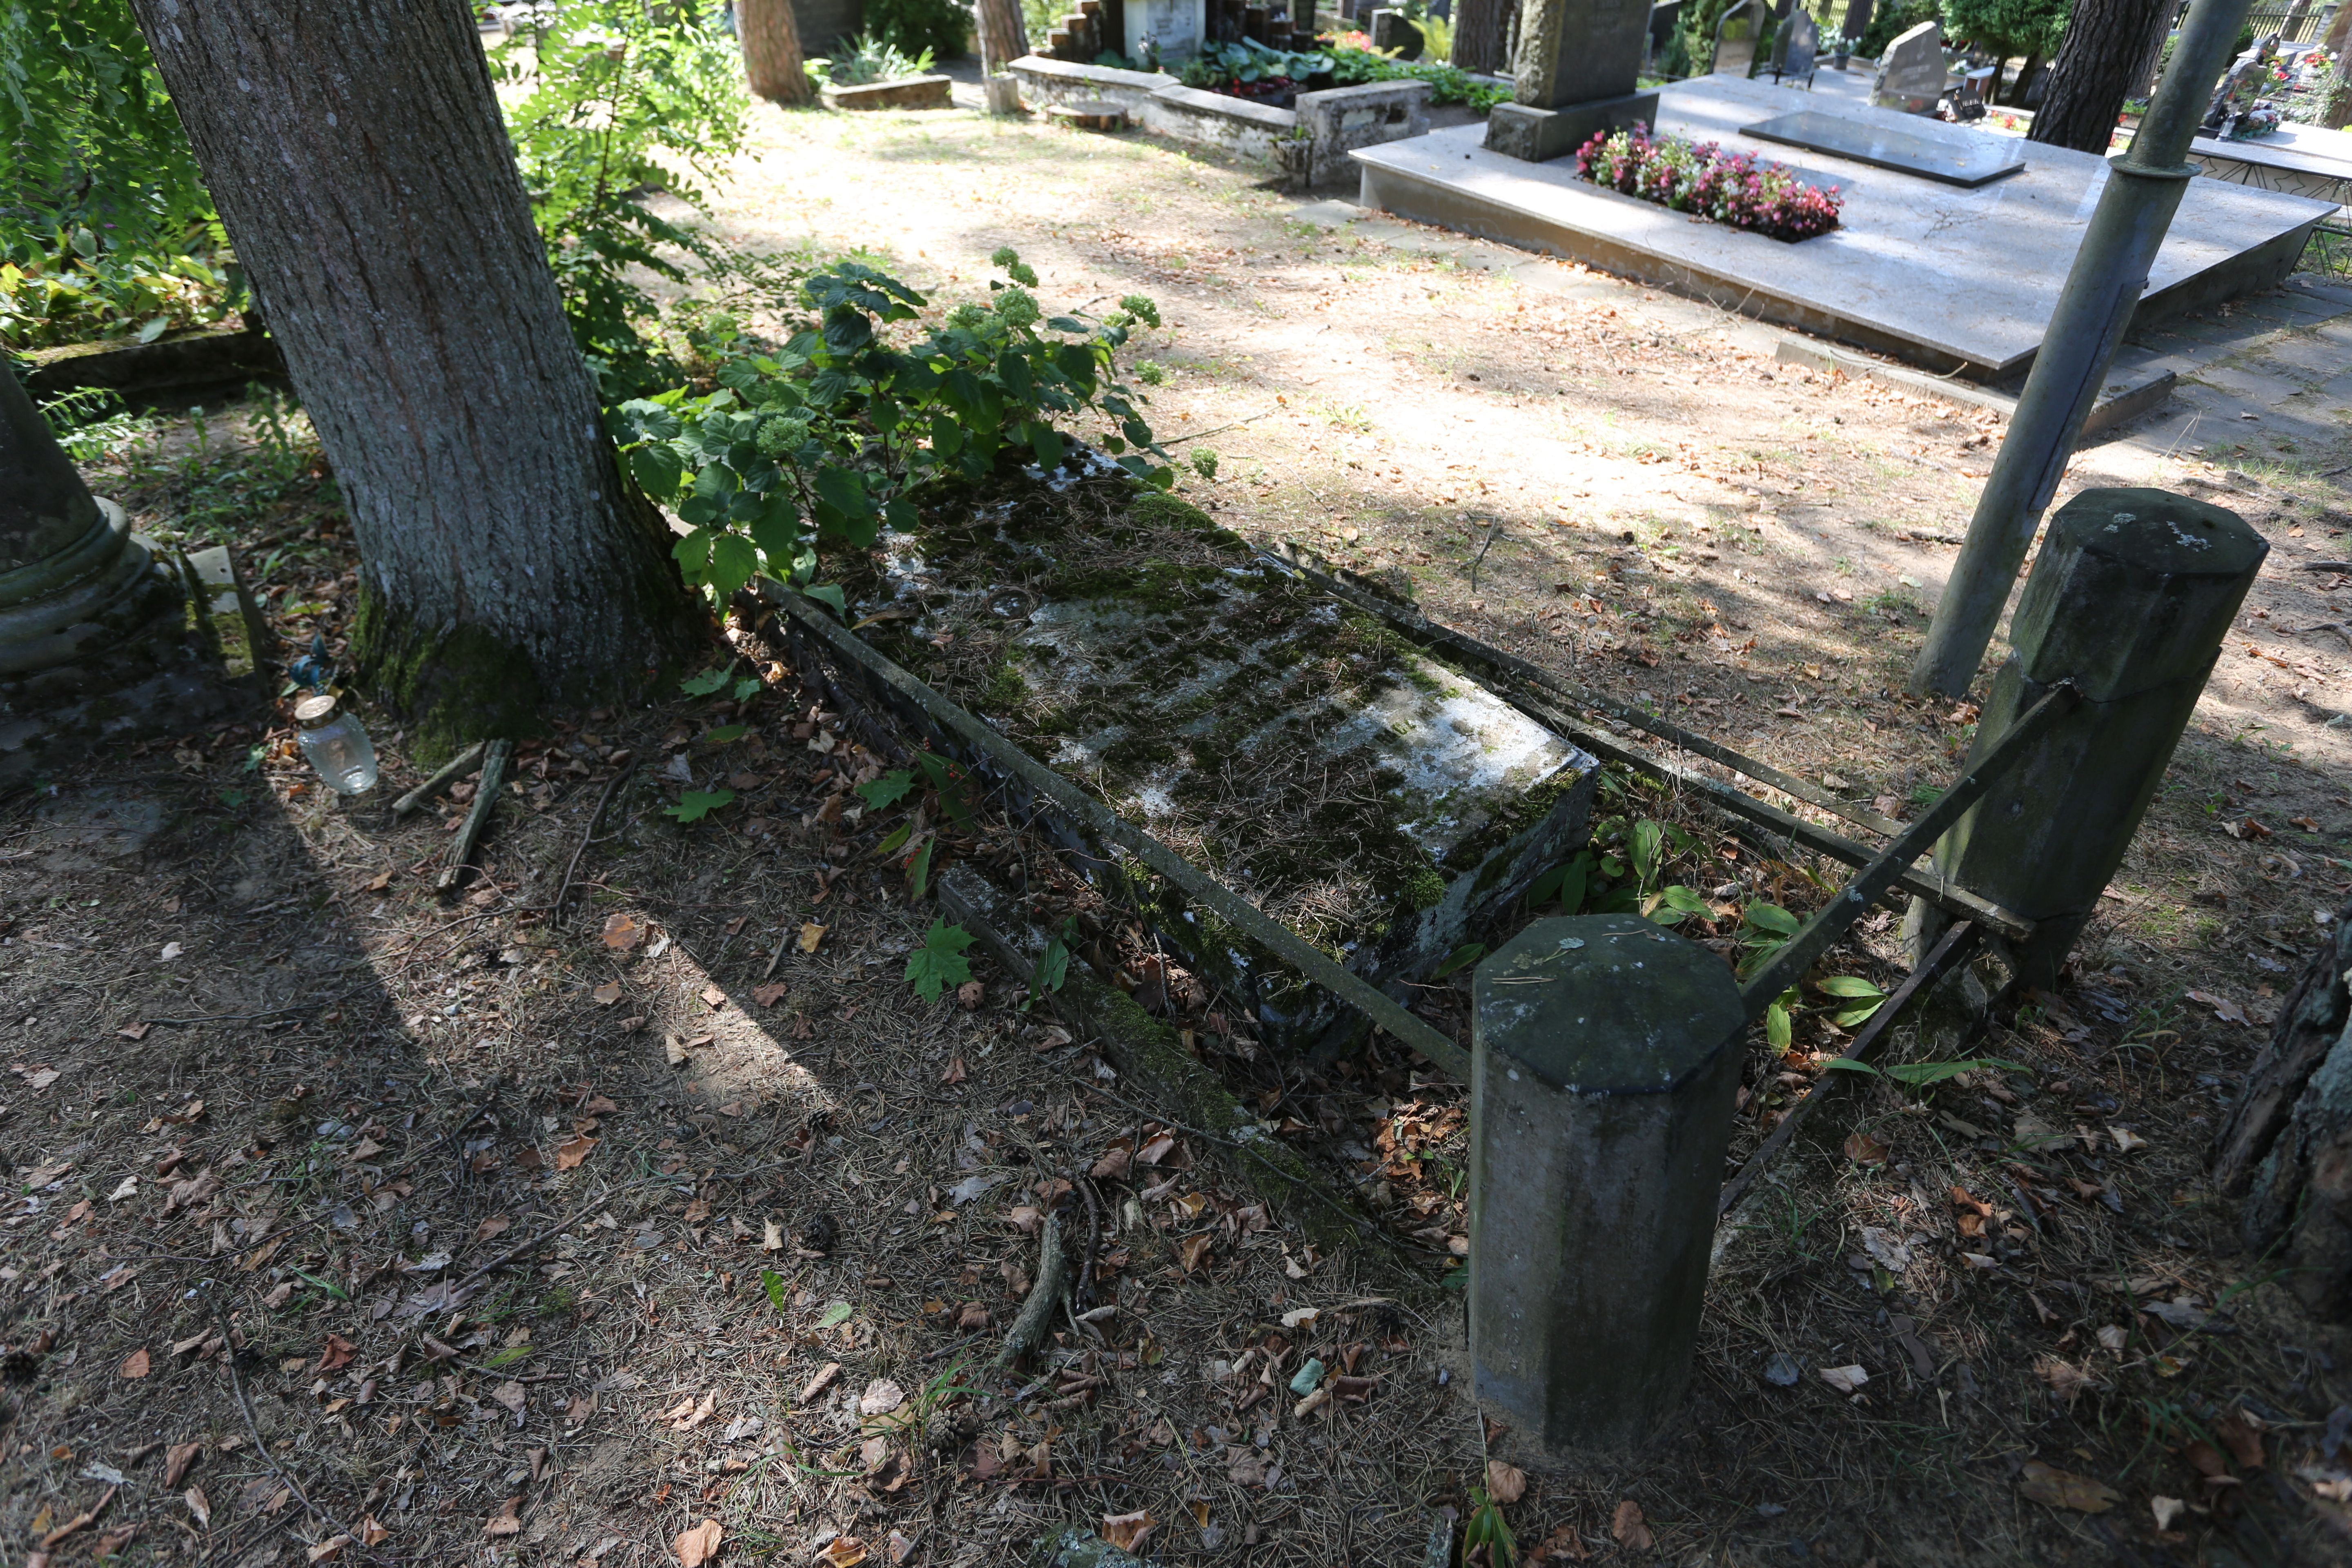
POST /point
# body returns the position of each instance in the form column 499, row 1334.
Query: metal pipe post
column 2144, row 190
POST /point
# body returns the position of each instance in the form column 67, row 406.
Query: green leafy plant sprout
column 835, row 1315
column 1053, row 967
column 1468, row 952
column 1864, row 999
column 1923, row 1075
column 939, row 962
column 1487, row 1528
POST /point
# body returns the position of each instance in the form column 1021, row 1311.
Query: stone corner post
column 1607, row 1059
column 2130, row 598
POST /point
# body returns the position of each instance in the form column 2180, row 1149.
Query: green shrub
column 625, row 100
column 105, row 225
column 824, row 440
column 867, row 59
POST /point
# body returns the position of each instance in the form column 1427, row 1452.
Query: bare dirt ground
column 362, row 1225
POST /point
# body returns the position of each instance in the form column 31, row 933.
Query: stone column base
column 1539, row 135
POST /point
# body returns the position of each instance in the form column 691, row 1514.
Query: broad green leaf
column 1862, row 1015
column 733, row 563
column 692, row 552
column 939, row 962
column 1646, row 836
column 888, row 790
column 725, row 733
column 773, row 1284
column 897, row 840
column 694, row 804
column 708, row 681
column 833, row 1316
column 658, row 471
column 1777, row 1030
column 1771, row 918
column 918, row 875
column 1053, row 967
column 828, row 594
column 1046, row 442
column 1468, row 952
column 1852, row 985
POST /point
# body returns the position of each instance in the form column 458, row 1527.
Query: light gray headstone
column 1176, row 27
column 1737, row 36
column 1911, row 72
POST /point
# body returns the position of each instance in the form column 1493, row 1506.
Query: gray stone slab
column 1945, row 278
column 1931, row 150
column 1380, row 803
column 1911, row 71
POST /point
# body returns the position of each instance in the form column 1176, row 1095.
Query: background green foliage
column 2007, row 28
column 610, row 103
column 914, row 25
column 824, row 440
column 105, row 226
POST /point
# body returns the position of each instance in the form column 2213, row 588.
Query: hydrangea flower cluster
column 1734, row 188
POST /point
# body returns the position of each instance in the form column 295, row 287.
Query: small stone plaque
column 1962, row 158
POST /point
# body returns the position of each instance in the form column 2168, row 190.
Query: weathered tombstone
column 1393, row 33
column 1795, row 46
column 1737, row 36
column 2129, row 599
column 1578, row 64
column 1173, row 27
column 1911, row 72
column 1606, row 1060
column 1347, row 785
column 96, row 638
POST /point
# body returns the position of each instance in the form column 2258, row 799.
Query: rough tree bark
column 2098, row 58
column 358, row 159
column 1480, row 30
column 773, row 62
column 1004, row 38
column 2286, row 1148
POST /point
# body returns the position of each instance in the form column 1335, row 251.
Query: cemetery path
column 487, row 1200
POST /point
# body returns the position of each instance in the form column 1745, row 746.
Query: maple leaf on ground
column 697, row 1546
column 939, row 962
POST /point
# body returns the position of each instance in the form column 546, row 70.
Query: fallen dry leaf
column 2065, row 1380
column 493, row 1226
column 846, row 1552
column 1127, row 1530
column 510, row 1395
column 699, row 1545
column 1562, row 1542
column 900, row 1545
column 714, row 998
column 1193, row 1251
column 337, row 1351
column 505, row 1521
column 768, row 996
column 622, row 932
column 135, row 1363
column 604, row 995
column 372, row 1533
column 569, row 1153
column 955, row 1072
column 1844, row 1379
column 2240, row 1433
column 1863, row 1149
column 178, row 1459
column 1506, row 1483
column 811, row 935
column 327, row 1551
column 881, row 1397
column 820, row 1382
column 2126, row 1140
column 2064, row 1489
column 1627, row 1528
column 199, row 1505
column 2228, row 1012
column 2166, row 1509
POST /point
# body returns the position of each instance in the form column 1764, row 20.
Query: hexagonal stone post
column 1607, row 1060
column 2129, row 599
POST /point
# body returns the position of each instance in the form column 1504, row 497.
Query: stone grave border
column 1310, row 144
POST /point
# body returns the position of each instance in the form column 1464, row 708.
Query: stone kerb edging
column 1310, row 143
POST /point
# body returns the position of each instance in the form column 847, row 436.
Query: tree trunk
column 2024, row 78
column 2106, row 41
column 2286, row 1148
column 1479, row 29
column 770, row 36
column 1002, row 37
column 1857, row 21
column 357, row 160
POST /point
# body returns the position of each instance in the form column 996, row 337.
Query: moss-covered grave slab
column 1339, row 778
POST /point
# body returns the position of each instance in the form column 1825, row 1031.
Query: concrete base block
column 1539, row 135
